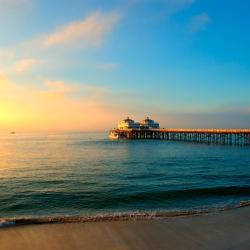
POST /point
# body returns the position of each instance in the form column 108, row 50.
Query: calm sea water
column 86, row 174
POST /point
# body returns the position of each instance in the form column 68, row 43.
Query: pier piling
column 210, row 136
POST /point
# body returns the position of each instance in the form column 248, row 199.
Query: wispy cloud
column 58, row 89
column 199, row 22
column 51, row 106
column 60, row 86
column 74, row 90
column 89, row 32
column 64, row 105
column 24, row 57
column 25, row 65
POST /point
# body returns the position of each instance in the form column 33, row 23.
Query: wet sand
column 222, row 230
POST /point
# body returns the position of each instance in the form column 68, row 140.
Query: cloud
column 74, row 91
column 61, row 86
column 199, row 23
column 58, row 89
column 25, row 65
column 26, row 56
column 52, row 106
column 59, row 105
column 87, row 33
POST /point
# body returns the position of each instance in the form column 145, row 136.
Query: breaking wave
column 133, row 216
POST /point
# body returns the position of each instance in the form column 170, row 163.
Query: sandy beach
column 221, row 230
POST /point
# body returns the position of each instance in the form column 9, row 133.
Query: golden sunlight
column 28, row 108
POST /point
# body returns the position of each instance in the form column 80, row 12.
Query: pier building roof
column 144, row 124
column 128, row 124
column 149, row 123
column 128, row 120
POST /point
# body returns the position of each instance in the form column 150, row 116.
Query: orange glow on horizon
column 23, row 108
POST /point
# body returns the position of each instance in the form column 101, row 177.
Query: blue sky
column 183, row 62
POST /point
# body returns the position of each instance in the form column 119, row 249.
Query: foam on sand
column 130, row 216
column 219, row 230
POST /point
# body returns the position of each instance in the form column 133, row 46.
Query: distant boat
column 12, row 132
column 113, row 135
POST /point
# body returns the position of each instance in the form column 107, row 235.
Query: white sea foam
column 4, row 223
column 129, row 216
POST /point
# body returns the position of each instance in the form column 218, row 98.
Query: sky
column 83, row 65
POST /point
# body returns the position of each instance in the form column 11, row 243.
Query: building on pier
column 149, row 124
column 144, row 124
column 149, row 129
column 128, row 124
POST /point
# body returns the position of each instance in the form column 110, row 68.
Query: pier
column 210, row 136
column 148, row 129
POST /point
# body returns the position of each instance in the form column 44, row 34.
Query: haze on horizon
column 85, row 65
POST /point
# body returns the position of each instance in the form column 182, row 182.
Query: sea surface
column 85, row 174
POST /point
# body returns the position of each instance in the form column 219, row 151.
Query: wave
column 6, row 223
column 133, row 216
column 191, row 193
column 121, row 198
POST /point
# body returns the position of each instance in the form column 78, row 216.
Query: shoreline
column 227, row 229
column 126, row 216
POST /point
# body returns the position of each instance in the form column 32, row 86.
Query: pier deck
column 210, row 136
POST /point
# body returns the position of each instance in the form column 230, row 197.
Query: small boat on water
column 12, row 132
column 114, row 135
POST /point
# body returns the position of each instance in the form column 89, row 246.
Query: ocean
column 85, row 174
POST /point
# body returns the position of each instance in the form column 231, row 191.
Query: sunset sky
column 86, row 64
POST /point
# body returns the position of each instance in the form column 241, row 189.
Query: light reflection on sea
column 85, row 173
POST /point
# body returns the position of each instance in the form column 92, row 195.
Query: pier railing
column 210, row 136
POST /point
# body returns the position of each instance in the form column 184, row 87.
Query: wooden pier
column 210, row 136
